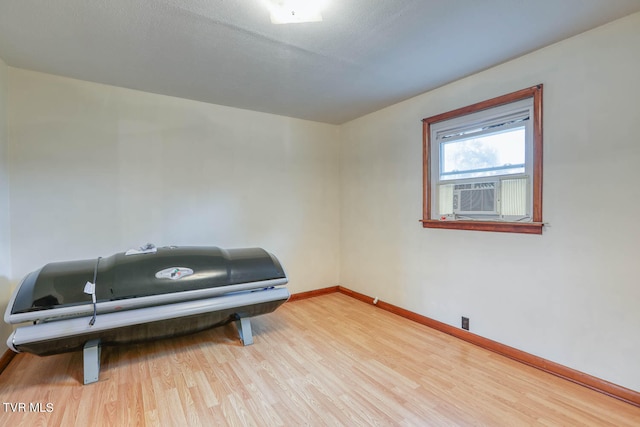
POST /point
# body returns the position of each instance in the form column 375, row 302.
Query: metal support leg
column 91, row 356
column 244, row 329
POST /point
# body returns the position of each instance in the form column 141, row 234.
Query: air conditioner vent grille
column 475, row 198
column 475, row 186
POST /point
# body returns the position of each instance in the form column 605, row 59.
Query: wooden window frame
column 533, row 227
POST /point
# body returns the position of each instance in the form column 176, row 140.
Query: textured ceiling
column 365, row 55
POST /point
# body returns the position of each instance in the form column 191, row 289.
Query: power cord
column 90, row 288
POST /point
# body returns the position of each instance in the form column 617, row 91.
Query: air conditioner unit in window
column 476, row 198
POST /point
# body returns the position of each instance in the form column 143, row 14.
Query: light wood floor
column 328, row 360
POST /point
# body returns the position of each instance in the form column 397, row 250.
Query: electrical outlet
column 465, row 323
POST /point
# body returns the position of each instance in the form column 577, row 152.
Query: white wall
column 98, row 169
column 570, row 295
column 5, row 234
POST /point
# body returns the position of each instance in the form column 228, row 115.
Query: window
column 482, row 165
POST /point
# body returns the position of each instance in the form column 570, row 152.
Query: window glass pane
column 500, row 153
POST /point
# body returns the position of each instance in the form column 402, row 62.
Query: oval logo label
column 174, row 273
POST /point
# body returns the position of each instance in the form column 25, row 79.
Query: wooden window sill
column 505, row 227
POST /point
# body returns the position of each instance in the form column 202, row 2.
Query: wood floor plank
column 326, row 360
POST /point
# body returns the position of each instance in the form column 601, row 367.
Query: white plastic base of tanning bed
column 78, row 326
